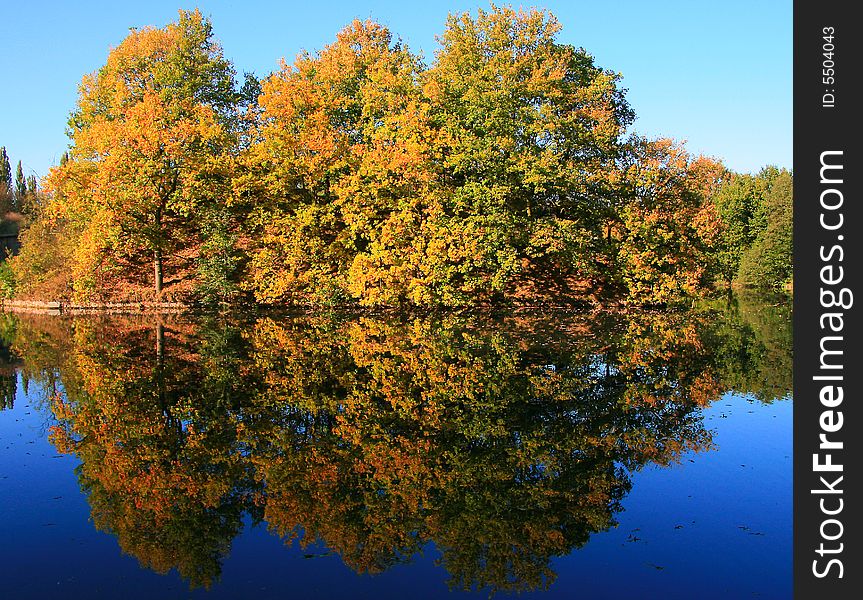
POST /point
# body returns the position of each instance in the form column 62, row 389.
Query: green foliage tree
column 755, row 241
column 20, row 187
column 32, row 201
column 5, row 168
column 8, row 374
column 529, row 132
column 768, row 262
column 739, row 206
column 6, row 189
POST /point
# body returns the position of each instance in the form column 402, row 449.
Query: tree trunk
column 157, row 267
column 157, row 253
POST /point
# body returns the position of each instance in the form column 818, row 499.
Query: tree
column 738, row 202
column 530, row 130
column 5, row 168
column 377, row 179
column 768, row 262
column 669, row 226
column 30, row 203
column 502, row 172
column 151, row 140
column 755, row 242
column 5, row 182
column 340, row 157
column 20, row 187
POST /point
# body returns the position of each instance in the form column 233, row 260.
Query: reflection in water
column 505, row 442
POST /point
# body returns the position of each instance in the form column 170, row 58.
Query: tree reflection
column 505, row 442
column 8, row 364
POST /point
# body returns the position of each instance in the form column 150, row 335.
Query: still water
column 609, row 455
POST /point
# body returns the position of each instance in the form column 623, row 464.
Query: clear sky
column 717, row 74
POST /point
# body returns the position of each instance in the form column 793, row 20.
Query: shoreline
column 584, row 306
column 73, row 308
column 68, row 308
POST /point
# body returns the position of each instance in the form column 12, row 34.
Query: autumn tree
column 383, row 181
column 669, row 227
column 160, row 466
column 151, row 140
column 504, row 171
column 380, row 449
column 530, row 132
column 340, row 158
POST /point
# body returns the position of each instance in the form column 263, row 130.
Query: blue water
column 716, row 525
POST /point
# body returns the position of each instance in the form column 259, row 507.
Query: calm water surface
column 551, row 456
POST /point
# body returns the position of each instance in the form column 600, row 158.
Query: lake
column 539, row 454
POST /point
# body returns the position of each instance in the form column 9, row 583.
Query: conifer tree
column 5, row 169
column 20, row 187
column 5, row 181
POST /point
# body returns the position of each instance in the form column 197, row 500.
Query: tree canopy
column 503, row 171
column 151, row 134
column 755, row 245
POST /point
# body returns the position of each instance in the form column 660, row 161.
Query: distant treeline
column 15, row 194
column 504, row 171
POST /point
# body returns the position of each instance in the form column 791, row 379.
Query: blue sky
column 717, row 74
